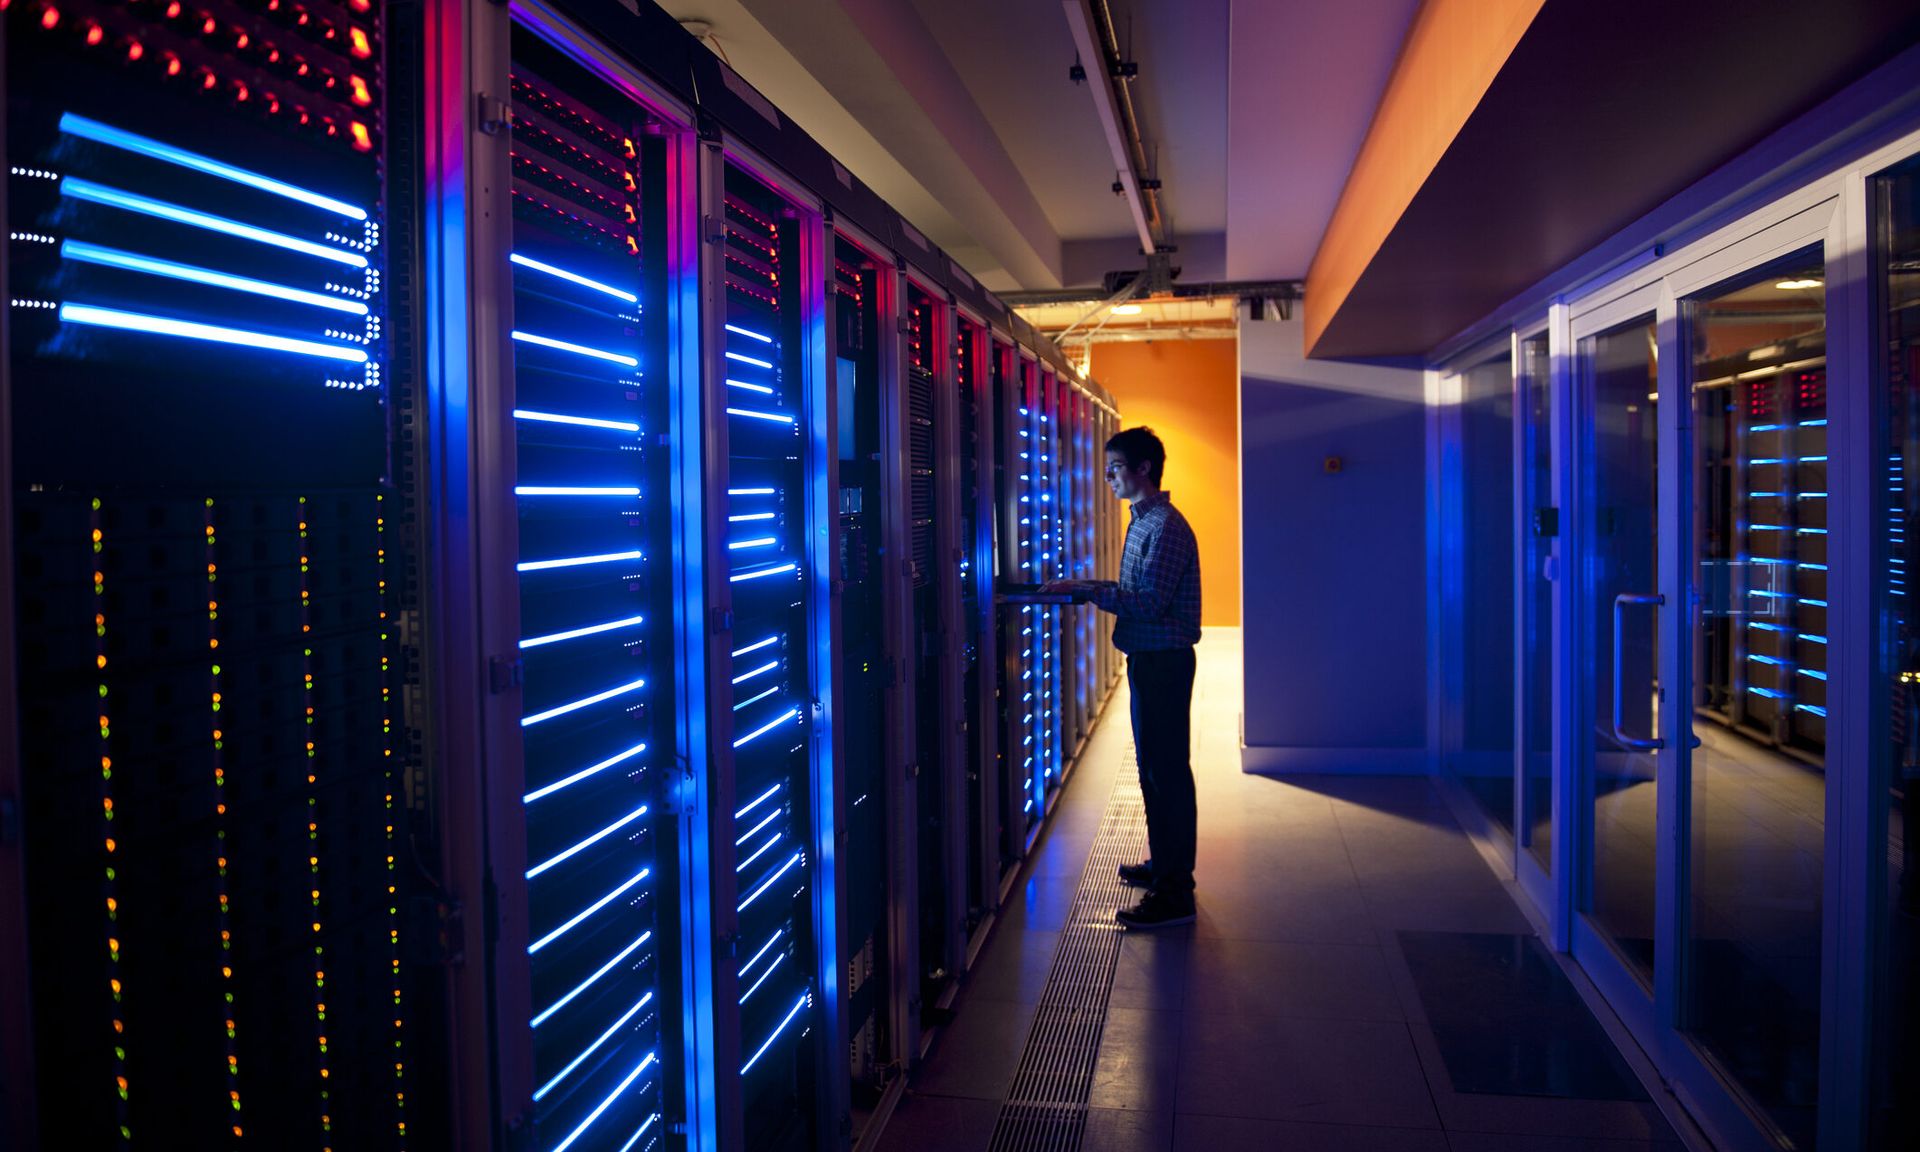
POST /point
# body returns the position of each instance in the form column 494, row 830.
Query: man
column 1157, row 608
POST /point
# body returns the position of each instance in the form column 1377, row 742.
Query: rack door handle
column 1620, row 603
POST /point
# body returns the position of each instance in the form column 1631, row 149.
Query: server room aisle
column 1358, row 980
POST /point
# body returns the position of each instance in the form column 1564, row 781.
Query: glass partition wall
column 1709, row 663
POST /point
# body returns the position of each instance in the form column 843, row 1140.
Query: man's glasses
column 1115, row 469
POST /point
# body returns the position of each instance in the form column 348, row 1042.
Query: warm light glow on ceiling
column 1790, row 285
column 1130, row 309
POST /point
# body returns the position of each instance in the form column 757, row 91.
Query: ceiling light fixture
column 1126, row 310
column 1790, row 285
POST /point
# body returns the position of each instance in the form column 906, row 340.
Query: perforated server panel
column 214, row 583
column 596, row 604
column 769, row 558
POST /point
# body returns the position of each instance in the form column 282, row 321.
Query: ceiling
column 964, row 118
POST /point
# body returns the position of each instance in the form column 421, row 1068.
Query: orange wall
column 1187, row 391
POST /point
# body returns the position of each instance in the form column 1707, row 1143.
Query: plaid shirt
column 1157, row 599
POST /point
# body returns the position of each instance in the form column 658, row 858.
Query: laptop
column 1031, row 594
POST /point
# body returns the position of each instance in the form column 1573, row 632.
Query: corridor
column 1358, row 979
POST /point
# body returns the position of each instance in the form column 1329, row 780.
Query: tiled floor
column 1286, row 1017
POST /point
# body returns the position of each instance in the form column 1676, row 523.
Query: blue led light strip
column 639, row 1132
column 538, row 717
column 739, row 331
column 760, row 671
column 604, row 1105
column 557, row 785
column 760, row 388
column 771, row 940
column 551, row 490
column 756, row 542
column 589, row 911
column 775, row 571
column 113, row 137
column 759, row 852
column 583, row 421
column 576, row 633
column 146, row 206
column 768, row 882
column 751, row 491
column 767, row 727
column 755, row 831
column 773, row 416
column 752, row 700
column 748, row 995
column 575, row 277
column 576, row 349
column 541, row 1092
column 748, row 1066
column 576, row 561
column 748, row 360
column 589, row 842
column 1813, row 708
column 163, row 326
column 757, row 801
column 85, row 253
column 746, row 516
column 589, row 981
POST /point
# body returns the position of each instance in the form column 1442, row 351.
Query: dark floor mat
column 1507, row 1021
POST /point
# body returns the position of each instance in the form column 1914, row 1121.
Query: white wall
column 1334, row 593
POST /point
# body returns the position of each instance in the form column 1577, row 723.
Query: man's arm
column 1168, row 556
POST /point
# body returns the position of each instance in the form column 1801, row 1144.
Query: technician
column 1156, row 604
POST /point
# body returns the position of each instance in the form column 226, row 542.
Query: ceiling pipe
column 1240, row 289
column 1122, row 137
column 1121, row 72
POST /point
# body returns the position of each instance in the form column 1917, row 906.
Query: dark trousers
column 1161, row 685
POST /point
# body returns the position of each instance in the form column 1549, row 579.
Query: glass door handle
column 1620, row 603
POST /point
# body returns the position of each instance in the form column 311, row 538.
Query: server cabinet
column 775, row 966
column 933, row 674
column 1763, row 504
column 209, row 587
column 1049, row 528
column 973, row 351
column 871, row 930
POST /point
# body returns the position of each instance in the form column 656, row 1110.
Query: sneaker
column 1157, row 910
column 1137, row 875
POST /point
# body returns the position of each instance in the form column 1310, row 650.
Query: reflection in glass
column 1895, row 1122
column 1480, row 750
column 1620, row 374
column 1758, row 828
column 1537, row 536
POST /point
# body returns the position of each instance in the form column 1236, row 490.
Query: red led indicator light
column 50, row 18
column 95, row 34
column 362, row 48
column 362, row 139
column 361, row 96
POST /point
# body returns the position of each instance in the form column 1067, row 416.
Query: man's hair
column 1140, row 446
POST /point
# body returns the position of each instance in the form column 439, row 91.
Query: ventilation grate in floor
column 1047, row 1109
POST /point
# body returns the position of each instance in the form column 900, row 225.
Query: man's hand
column 1067, row 587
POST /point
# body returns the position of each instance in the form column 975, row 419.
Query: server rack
column 209, row 587
column 974, row 351
column 624, row 389
column 1763, row 664
column 864, row 290
column 771, row 778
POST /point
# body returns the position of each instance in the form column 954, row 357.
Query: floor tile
column 978, row 1053
column 1316, row 1071
column 1013, row 967
column 924, row 1123
column 1192, row 1133
column 1322, row 981
column 1139, row 1061
column 1111, row 1130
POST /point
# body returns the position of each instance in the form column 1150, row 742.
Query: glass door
column 1537, row 534
column 1618, row 388
column 1757, row 351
